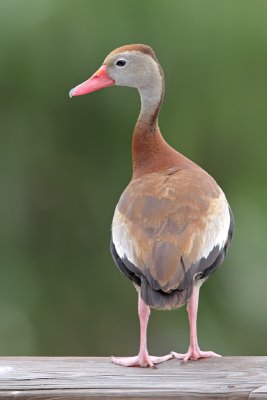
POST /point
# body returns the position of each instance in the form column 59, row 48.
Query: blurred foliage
column 64, row 163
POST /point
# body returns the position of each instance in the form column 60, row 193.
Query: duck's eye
column 121, row 63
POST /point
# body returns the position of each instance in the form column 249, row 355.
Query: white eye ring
column 121, row 63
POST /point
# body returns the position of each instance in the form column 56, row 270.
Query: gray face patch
column 140, row 71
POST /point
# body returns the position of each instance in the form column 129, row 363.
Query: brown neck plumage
column 150, row 152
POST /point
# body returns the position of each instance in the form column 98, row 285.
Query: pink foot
column 194, row 354
column 140, row 360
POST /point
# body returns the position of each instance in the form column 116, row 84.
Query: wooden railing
column 80, row 378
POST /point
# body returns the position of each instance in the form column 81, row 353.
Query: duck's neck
column 151, row 98
column 148, row 146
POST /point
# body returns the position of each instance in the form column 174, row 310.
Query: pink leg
column 194, row 352
column 142, row 359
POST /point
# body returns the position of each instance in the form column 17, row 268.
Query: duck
column 173, row 225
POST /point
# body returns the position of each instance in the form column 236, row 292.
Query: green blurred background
column 64, row 163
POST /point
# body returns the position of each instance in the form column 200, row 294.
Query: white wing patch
column 121, row 238
column 218, row 224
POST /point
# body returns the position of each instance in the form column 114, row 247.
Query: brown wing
column 169, row 228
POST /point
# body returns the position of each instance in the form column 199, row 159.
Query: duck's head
column 131, row 65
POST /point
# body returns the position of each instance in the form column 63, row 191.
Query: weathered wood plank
column 93, row 378
column 259, row 394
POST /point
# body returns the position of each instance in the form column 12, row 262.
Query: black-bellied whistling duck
column 172, row 225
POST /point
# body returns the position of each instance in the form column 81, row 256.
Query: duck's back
column 170, row 228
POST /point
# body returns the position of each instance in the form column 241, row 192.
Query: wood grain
column 94, row 378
